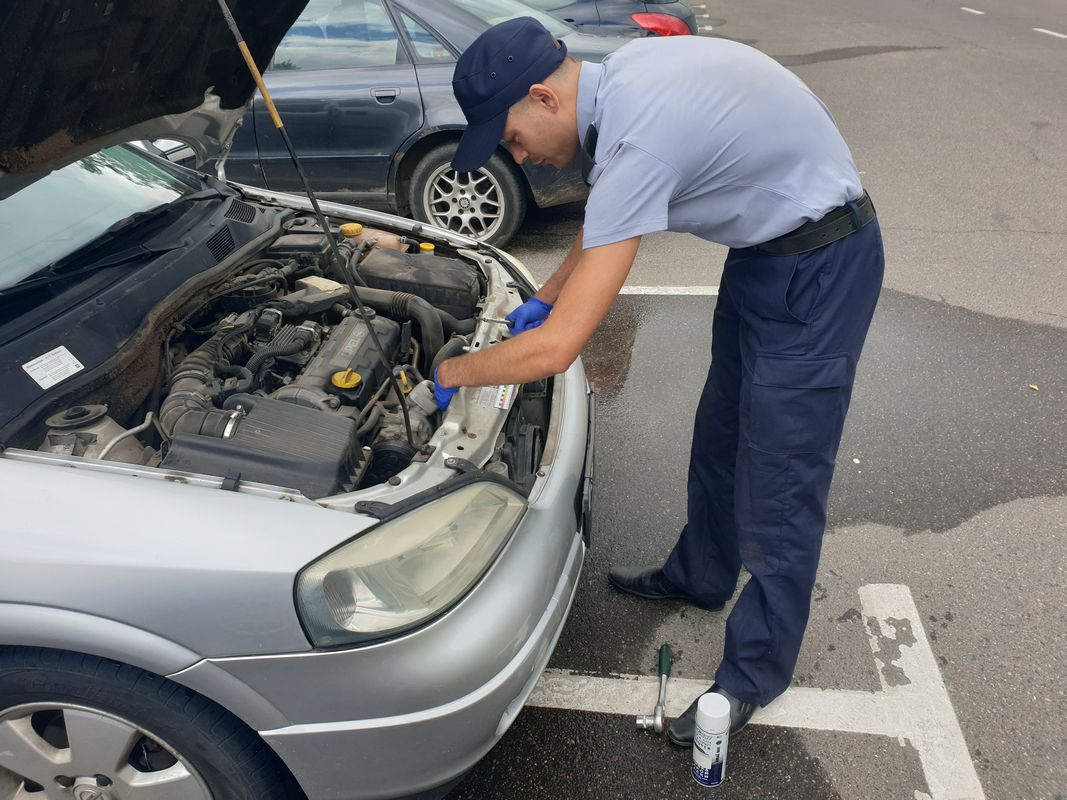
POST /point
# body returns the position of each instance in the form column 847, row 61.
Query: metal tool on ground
column 656, row 721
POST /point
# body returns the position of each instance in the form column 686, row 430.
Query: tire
column 464, row 202
column 127, row 725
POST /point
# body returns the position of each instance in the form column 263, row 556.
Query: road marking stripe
column 972, row 10
column 707, row 28
column 1051, row 33
column 711, row 291
column 913, row 704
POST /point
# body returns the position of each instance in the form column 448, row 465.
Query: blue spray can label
column 711, row 739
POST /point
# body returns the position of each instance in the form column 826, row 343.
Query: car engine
column 277, row 375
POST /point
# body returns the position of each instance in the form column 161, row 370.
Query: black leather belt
column 836, row 224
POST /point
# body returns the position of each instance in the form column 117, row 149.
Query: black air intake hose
column 455, row 347
column 186, row 393
column 408, row 306
column 453, row 325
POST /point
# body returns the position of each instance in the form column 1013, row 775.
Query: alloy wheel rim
column 470, row 203
column 54, row 751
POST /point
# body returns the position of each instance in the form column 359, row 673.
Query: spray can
column 710, row 739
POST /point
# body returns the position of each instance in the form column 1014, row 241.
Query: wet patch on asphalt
column 581, row 756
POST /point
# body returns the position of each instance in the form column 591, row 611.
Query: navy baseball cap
column 493, row 74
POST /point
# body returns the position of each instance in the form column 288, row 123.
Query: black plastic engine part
column 447, row 283
column 524, row 435
column 306, row 248
column 388, row 459
column 277, row 443
column 292, row 344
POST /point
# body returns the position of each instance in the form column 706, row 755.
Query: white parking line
column 972, row 10
column 706, row 28
column 681, row 290
column 1051, row 33
column 913, row 704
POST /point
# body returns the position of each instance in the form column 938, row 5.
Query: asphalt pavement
column 933, row 665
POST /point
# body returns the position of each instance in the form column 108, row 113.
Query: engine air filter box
column 278, row 443
column 450, row 284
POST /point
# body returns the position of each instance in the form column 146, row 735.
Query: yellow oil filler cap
column 346, row 379
column 351, row 229
column 426, row 247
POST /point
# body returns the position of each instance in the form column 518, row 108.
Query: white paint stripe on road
column 1051, row 33
column 681, row 290
column 972, row 10
column 909, row 672
column 914, row 703
column 706, row 28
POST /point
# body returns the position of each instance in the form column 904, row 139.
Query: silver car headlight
column 409, row 569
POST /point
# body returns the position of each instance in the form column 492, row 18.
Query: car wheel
column 93, row 729
column 487, row 204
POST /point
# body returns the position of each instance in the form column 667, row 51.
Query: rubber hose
column 299, row 342
column 373, row 419
column 408, row 306
column 186, row 391
column 245, row 374
column 453, row 325
column 454, row 347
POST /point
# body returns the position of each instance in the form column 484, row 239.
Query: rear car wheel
column 93, row 729
column 487, row 204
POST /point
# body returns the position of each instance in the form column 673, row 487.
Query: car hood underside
column 85, row 74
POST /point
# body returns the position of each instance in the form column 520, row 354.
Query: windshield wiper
column 62, row 269
column 132, row 254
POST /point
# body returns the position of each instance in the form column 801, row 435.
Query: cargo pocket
column 798, row 405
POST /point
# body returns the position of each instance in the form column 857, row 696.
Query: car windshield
column 64, row 211
column 496, row 11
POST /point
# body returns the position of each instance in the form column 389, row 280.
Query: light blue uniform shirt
column 709, row 137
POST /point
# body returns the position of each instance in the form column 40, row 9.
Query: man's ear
column 542, row 95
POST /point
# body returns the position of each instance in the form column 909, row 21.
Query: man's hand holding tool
column 529, row 315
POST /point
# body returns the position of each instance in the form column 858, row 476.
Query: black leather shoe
column 680, row 730
column 650, row 583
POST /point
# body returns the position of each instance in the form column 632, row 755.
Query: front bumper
column 406, row 715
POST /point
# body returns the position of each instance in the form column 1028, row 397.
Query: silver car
column 243, row 554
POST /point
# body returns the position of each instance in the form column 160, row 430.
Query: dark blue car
column 365, row 89
column 624, row 17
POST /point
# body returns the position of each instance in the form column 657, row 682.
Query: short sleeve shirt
column 709, row 137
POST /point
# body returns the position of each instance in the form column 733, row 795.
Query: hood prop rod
column 342, row 267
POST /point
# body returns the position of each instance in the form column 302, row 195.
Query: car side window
column 339, row 34
column 427, row 47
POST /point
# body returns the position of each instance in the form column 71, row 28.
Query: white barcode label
column 54, row 366
column 496, row 397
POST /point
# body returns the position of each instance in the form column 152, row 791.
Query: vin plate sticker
column 54, row 366
column 496, row 397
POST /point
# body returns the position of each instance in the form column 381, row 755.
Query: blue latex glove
column 529, row 315
column 442, row 394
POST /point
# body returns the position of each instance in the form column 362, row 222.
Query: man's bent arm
column 583, row 303
column 554, row 286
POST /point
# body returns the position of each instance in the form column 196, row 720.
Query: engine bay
column 276, row 375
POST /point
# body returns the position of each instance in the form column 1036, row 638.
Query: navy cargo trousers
column 786, row 337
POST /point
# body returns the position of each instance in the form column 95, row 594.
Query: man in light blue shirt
column 712, row 138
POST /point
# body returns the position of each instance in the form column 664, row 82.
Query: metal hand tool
column 496, row 321
column 655, row 721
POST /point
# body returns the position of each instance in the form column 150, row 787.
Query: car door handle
column 385, row 96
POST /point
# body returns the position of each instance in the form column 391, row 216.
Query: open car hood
column 84, row 74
